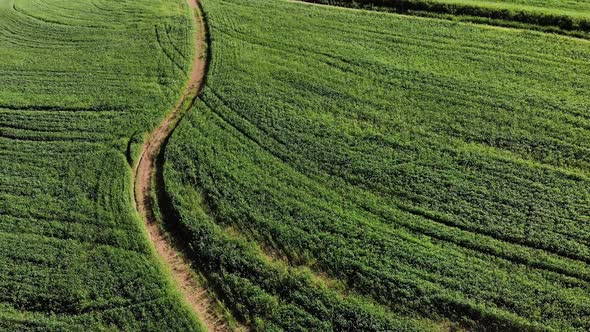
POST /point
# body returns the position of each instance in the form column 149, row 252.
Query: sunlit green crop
column 354, row 170
column 81, row 82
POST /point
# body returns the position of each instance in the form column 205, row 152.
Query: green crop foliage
column 429, row 170
column 566, row 17
column 81, row 82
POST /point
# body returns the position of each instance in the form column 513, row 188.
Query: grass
column 556, row 7
column 556, row 16
column 576, row 8
column 82, row 83
column 436, row 171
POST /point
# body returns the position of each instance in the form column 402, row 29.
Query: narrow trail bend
column 146, row 180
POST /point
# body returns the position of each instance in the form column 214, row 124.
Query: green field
column 569, row 17
column 81, row 82
column 577, row 8
column 352, row 170
column 342, row 169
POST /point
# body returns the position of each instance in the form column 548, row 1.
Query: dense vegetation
column 358, row 170
column 564, row 16
column 80, row 83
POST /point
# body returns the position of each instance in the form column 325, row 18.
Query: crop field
column 577, row 8
column 81, row 83
column 556, row 16
column 308, row 167
column 357, row 170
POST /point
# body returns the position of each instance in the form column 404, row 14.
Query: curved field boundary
column 519, row 18
column 146, row 182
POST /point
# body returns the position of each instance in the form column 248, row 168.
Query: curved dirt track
column 145, row 182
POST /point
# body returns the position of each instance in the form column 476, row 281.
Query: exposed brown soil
column 145, row 182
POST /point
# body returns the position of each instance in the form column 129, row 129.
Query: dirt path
column 146, row 178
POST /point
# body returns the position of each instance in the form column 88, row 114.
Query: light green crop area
column 80, row 83
column 354, row 170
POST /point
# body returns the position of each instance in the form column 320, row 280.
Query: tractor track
column 148, row 179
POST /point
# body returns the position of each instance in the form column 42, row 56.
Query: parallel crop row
column 79, row 80
column 438, row 170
